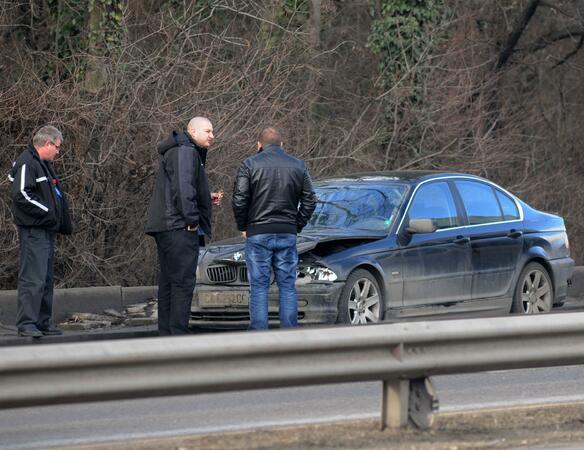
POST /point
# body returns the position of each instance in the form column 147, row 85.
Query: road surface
column 57, row 426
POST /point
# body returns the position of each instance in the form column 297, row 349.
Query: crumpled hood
column 233, row 249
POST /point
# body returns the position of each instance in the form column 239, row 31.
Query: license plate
column 208, row 299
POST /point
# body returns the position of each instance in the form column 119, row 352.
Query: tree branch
column 514, row 37
column 552, row 38
column 572, row 53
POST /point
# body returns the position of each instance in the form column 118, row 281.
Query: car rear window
column 510, row 211
column 365, row 206
column 480, row 202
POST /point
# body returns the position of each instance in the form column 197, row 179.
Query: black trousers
column 178, row 254
column 35, row 278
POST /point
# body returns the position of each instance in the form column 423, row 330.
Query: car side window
column 509, row 207
column 480, row 202
column 434, row 201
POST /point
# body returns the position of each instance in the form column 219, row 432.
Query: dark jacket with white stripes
column 37, row 197
column 181, row 195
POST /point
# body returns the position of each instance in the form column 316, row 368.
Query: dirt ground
column 542, row 427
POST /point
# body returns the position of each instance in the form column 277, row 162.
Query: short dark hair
column 270, row 136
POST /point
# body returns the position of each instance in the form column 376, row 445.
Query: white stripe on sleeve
column 25, row 195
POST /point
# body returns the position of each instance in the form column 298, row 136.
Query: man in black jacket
column 272, row 201
column 179, row 217
column 40, row 210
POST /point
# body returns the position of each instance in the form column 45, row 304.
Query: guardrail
column 401, row 355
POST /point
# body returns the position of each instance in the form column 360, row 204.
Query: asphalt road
column 63, row 425
column 55, row 426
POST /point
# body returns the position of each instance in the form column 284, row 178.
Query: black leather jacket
column 272, row 193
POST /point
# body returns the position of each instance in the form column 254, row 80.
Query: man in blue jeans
column 272, row 201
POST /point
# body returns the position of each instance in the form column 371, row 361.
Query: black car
column 384, row 246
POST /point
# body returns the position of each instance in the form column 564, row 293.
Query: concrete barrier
column 96, row 299
column 137, row 294
column 88, row 300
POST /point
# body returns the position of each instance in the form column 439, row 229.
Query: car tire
column 534, row 293
column 361, row 300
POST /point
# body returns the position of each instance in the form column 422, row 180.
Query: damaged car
column 392, row 245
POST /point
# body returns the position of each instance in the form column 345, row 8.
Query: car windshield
column 371, row 207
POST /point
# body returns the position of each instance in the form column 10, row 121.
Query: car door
column 496, row 237
column 436, row 266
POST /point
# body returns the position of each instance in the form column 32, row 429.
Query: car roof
column 407, row 176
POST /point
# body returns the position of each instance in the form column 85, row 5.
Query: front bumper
column 317, row 304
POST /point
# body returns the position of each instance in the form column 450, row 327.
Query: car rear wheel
column 360, row 301
column 534, row 291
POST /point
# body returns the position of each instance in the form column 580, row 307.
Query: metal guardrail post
column 394, row 403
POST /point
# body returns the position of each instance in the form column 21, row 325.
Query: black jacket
column 272, row 193
column 36, row 194
column 181, row 195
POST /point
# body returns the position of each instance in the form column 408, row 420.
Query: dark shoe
column 51, row 331
column 30, row 332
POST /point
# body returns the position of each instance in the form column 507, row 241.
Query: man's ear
column 259, row 145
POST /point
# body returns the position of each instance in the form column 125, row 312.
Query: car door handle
column 514, row 234
column 461, row 240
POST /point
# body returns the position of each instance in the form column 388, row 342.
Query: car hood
column 233, row 250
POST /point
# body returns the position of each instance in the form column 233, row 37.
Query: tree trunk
column 314, row 23
column 514, row 37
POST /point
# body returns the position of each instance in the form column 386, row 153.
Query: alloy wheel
column 364, row 302
column 536, row 293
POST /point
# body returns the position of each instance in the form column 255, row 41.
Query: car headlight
column 318, row 273
column 201, row 256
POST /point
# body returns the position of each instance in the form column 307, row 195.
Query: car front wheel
column 360, row 301
column 534, row 291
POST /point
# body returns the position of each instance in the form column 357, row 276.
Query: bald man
column 178, row 218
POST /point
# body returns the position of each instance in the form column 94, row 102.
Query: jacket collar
column 201, row 150
column 34, row 152
column 271, row 148
column 177, row 139
column 44, row 163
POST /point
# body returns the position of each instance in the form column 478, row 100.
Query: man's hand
column 216, row 198
column 244, row 234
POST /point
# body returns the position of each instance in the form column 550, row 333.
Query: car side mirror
column 421, row 226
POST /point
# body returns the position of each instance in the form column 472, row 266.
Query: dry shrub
column 519, row 125
column 233, row 67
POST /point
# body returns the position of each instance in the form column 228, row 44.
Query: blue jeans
column 264, row 252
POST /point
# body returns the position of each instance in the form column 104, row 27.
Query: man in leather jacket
column 178, row 218
column 272, row 201
column 40, row 210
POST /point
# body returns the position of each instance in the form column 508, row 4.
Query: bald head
column 269, row 136
column 201, row 130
